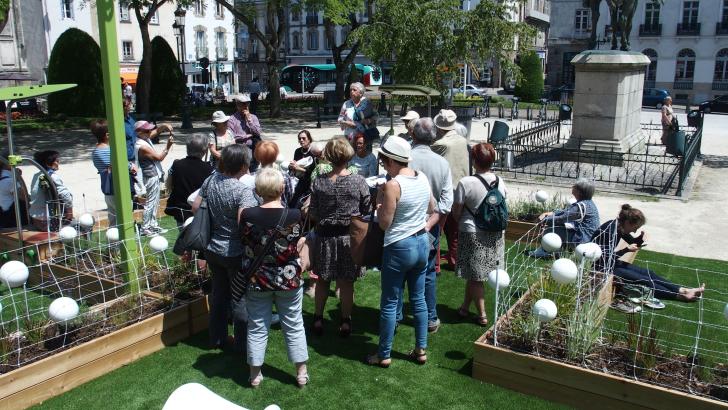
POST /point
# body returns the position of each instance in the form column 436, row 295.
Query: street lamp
column 179, row 31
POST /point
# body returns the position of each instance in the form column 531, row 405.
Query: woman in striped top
column 404, row 203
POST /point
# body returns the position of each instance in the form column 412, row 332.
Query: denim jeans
column 637, row 275
column 152, row 203
column 404, row 261
column 223, row 268
column 430, row 282
column 289, row 304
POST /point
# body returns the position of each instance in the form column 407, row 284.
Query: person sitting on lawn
column 608, row 236
column 575, row 224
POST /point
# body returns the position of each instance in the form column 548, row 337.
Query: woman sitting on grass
column 608, row 236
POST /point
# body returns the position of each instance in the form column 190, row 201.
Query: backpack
column 492, row 213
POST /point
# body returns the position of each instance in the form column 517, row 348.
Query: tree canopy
column 429, row 38
column 167, row 86
column 76, row 59
column 530, row 87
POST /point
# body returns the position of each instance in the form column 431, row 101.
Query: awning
column 130, row 78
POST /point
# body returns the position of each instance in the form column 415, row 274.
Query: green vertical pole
column 119, row 163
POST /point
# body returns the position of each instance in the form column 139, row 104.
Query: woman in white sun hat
column 220, row 137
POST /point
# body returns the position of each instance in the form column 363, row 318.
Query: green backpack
column 492, row 213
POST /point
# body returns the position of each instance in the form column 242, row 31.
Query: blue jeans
column 430, row 282
column 404, row 261
column 637, row 275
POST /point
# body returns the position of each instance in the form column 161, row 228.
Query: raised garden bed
column 612, row 374
column 63, row 371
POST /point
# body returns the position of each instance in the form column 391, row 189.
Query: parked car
column 654, row 97
column 470, row 91
column 717, row 104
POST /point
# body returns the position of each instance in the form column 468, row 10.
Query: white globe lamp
column 158, row 243
column 63, row 310
column 498, row 279
column 542, row 196
column 564, row 271
column 551, row 242
column 112, row 234
column 67, row 234
column 544, row 310
column 86, row 220
column 589, row 251
column 14, row 274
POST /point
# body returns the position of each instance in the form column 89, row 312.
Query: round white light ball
column 589, row 251
column 67, row 233
column 112, row 234
column 158, row 243
column 725, row 311
column 544, row 310
column 63, row 309
column 14, row 274
column 86, row 220
column 542, row 196
column 564, row 271
column 498, row 277
column 188, row 221
column 551, row 242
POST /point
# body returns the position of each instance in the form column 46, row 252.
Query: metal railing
column 221, row 53
column 721, row 28
column 689, row 29
column 647, row 30
column 683, row 84
column 720, row 85
column 201, row 51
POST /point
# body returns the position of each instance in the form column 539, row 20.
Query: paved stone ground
column 689, row 227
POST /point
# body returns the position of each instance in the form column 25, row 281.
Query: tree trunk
column 594, row 20
column 145, row 71
column 274, row 85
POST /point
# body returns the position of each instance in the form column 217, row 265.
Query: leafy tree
column 144, row 10
column 76, row 59
column 246, row 12
column 530, row 87
column 419, row 36
column 341, row 13
column 167, row 85
column 4, row 13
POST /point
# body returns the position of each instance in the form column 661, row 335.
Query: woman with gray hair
column 357, row 114
column 575, row 224
column 185, row 177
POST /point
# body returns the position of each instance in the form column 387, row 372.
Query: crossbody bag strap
column 488, row 188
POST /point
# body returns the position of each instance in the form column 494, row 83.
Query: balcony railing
column 221, row 53
column 720, row 85
column 240, row 53
column 689, row 29
column 649, row 83
column 721, row 28
column 201, row 51
column 683, row 84
column 647, row 30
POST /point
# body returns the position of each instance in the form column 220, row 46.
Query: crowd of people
column 271, row 222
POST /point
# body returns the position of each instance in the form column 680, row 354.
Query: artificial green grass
column 338, row 376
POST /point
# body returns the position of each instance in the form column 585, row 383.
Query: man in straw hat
column 245, row 125
column 454, row 148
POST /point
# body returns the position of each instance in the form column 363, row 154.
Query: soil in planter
column 56, row 338
column 614, row 357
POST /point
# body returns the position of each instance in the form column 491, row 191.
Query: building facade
column 22, row 44
column 686, row 41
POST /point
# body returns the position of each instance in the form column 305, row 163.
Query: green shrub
column 167, row 86
column 530, row 88
column 76, row 59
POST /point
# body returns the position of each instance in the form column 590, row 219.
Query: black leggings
column 632, row 274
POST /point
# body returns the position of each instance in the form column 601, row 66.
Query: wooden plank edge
column 575, row 377
column 75, row 377
column 77, row 356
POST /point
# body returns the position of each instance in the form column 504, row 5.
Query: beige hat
column 396, row 148
column 242, row 98
column 445, row 120
column 411, row 115
column 219, row 116
column 144, row 125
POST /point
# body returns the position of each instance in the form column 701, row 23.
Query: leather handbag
column 196, row 236
column 367, row 241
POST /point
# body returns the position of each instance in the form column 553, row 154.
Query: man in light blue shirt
column 437, row 170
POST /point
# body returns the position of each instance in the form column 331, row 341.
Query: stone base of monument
column 611, row 153
column 607, row 104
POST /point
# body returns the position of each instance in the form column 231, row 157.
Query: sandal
column 419, row 358
column 345, row 328
column 374, row 360
column 317, row 326
column 482, row 320
column 463, row 313
column 302, row 380
column 255, row 381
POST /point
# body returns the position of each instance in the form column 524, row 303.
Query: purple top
column 243, row 130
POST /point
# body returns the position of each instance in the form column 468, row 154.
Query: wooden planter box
column 59, row 373
column 573, row 385
column 516, row 229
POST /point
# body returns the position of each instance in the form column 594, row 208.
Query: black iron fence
column 541, row 153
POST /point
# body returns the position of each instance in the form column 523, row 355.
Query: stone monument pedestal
column 608, row 102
